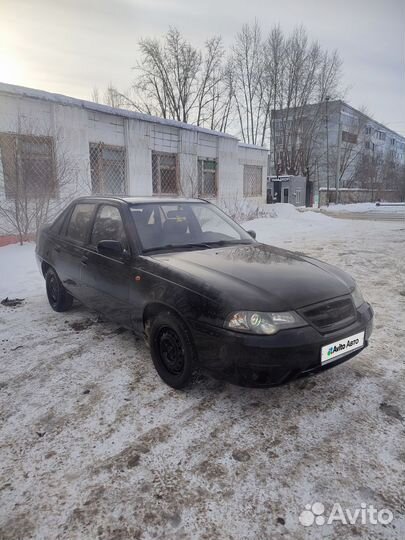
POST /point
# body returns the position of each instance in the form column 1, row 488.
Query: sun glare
column 10, row 71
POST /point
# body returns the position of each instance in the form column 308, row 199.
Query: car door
column 106, row 278
column 69, row 247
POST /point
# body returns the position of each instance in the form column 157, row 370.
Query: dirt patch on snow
column 94, row 445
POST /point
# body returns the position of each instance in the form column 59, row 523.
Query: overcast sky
column 70, row 46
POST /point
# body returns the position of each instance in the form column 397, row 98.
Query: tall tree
column 307, row 76
column 250, row 79
column 238, row 91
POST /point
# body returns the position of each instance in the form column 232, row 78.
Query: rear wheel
column 58, row 297
column 172, row 350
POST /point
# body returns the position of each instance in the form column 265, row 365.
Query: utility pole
column 339, row 144
column 327, row 152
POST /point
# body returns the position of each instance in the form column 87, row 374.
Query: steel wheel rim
column 171, row 351
column 53, row 289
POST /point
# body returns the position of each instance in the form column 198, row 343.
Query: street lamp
column 327, row 152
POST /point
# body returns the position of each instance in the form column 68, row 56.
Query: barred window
column 207, row 181
column 252, row 180
column 27, row 165
column 107, row 166
column 164, row 173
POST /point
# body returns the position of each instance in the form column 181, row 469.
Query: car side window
column 108, row 226
column 79, row 222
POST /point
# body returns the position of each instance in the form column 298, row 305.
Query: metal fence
column 165, row 174
column 27, row 166
column 34, row 183
column 108, row 169
column 207, row 178
column 37, row 179
column 252, row 180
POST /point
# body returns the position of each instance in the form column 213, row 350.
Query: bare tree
column 238, row 91
column 250, row 83
column 175, row 80
column 369, row 173
column 169, row 73
column 400, row 182
column 349, row 149
column 215, row 87
column 307, row 76
column 113, row 97
column 95, row 95
column 393, row 175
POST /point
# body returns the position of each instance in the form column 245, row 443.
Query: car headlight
column 256, row 322
column 357, row 297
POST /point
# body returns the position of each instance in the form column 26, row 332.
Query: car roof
column 140, row 200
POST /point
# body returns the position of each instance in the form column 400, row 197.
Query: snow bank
column 288, row 224
column 282, row 210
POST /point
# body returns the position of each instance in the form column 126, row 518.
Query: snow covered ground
column 369, row 211
column 94, row 445
column 366, row 207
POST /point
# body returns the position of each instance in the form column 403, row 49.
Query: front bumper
column 261, row 361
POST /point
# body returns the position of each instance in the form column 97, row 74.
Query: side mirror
column 111, row 248
column 252, row 234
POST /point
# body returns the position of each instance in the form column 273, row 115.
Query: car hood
column 255, row 276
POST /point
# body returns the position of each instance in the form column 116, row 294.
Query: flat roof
column 60, row 99
column 252, row 146
column 278, row 113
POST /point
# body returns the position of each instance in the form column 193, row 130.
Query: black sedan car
column 201, row 290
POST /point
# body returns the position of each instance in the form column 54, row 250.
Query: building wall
column 342, row 119
column 296, row 186
column 74, row 128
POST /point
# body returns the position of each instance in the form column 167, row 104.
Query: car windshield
column 167, row 226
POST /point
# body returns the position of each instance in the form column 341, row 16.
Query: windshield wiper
column 229, row 243
column 177, row 246
column 202, row 245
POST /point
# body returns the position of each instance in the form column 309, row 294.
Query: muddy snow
column 94, row 445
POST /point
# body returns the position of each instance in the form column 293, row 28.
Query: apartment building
column 326, row 140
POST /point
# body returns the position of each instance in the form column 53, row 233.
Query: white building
column 78, row 147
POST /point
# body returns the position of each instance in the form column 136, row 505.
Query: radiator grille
column 331, row 315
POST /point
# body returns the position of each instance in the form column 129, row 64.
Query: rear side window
column 80, row 221
column 59, row 221
column 108, row 226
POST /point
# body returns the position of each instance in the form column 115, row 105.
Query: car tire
column 58, row 297
column 172, row 350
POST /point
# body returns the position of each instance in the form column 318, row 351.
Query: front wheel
column 172, row 350
column 58, row 297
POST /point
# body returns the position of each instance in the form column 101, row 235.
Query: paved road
column 377, row 214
